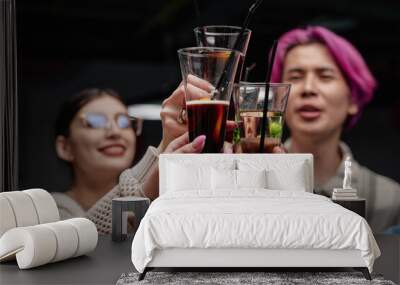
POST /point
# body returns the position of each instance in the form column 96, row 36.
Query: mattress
column 251, row 219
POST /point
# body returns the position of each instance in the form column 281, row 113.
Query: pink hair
column 359, row 78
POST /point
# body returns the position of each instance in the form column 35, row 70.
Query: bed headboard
column 284, row 164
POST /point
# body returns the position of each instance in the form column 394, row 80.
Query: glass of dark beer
column 225, row 37
column 250, row 104
column 202, row 69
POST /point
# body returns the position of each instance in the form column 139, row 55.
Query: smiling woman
column 97, row 139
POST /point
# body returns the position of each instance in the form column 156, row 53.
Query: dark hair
column 72, row 106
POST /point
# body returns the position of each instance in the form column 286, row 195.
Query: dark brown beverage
column 251, row 145
column 208, row 118
column 247, row 139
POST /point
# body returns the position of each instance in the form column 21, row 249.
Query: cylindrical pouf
column 45, row 205
column 34, row 246
column 67, row 239
column 7, row 217
column 87, row 235
column 23, row 208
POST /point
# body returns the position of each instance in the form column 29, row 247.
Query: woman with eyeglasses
column 96, row 137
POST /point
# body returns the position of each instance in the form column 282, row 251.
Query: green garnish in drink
column 236, row 135
column 275, row 129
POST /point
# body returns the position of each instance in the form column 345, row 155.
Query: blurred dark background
column 130, row 46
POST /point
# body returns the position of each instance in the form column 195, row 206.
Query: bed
column 246, row 211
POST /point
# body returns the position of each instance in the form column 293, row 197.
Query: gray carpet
column 269, row 278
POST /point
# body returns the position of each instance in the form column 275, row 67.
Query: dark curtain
column 8, row 97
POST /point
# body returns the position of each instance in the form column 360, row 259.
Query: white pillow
column 288, row 174
column 295, row 180
column 188, row 177
column 223, row 179
column 251, row 178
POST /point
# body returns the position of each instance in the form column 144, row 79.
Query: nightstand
column 121, row 206
column 356, row 205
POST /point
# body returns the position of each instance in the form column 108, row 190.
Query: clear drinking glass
column 225, row 37
column 207, row 103
column 249, row 115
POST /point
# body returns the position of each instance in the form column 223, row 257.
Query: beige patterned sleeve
column 130, row 184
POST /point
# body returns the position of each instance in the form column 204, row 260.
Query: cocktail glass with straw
column 249, row 117
column 231, row 37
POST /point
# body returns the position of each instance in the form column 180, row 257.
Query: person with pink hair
column 331, row 85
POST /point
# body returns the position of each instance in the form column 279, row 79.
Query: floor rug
column 243, row 278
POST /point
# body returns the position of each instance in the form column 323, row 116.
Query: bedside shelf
column 356, row 205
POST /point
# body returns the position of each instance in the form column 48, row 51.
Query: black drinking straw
column 267, row 85
column 223, row 79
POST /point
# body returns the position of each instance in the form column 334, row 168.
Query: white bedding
column 252, row 218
